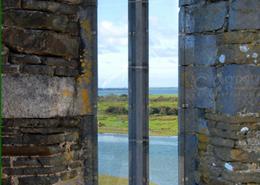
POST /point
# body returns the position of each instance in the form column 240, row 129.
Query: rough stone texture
column 49, row 133
column 219, row 138
column 206, row 18
column 238, row 90
column 50, row 148
column 199, row 50
column 244, row 14
column 199, row 84
column 45, row 42
column 41, row 96
column 39, row 20
column 50, row 6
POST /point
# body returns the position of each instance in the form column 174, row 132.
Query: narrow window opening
column 163, row 61
column 113, row 100
column 113, row 92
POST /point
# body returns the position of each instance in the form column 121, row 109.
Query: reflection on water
column 113, row 157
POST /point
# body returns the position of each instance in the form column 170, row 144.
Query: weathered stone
column 238, row 90
column 44, row 42
column 232, row 119
column 229, row 134
column 239, row 54
column 60, row 62
column 39, row 20
column 199, row 84
column 193, row 122
column 235, row 155
column 28, row 139
column 61, row 122
column 206, row 18
column 71, row 1
column 244, row 15
column 190, row 2
column 31, row 150
column 251, row 176
column 38, row 70
column 199, row 50
column 11, row 69
column 27, row 96
column 50, row 6
column 218, row 141
column 25, row 59
column 59, row 159
column 43, row 180
column 66, row 71
column 5, row 54
column 238, row 37
column 7, row 4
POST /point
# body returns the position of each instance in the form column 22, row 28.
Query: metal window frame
column 138, row 88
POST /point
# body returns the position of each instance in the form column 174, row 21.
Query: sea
column 163, row 156
column 152, row 91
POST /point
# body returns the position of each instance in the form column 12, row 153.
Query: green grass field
column 162, row 124
column 109, row 180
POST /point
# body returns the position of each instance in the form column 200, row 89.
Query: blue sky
column 113, row 43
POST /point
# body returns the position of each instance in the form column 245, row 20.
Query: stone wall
column 49, row 92
column 220, row 92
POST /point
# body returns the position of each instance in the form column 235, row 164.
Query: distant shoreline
column 152, row 91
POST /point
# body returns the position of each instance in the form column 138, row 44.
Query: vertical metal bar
column 138, row 93
column 88, row 84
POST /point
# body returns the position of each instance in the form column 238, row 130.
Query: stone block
column 71, row 1
column 5, row 54
column 11, row 69
column 239, row 53
column 66, row 71
column 43, row 42
column 41, row 96
column 8, row 4
column 206, row 18
column 244, row 15
column 238, row 37
column 218, row 141
column 60, row 62
column 199, row 84
column 193, row 121
column 39, row 20
column 238, row 90
column 50, row 6
column 25, row 59
column 198, row 50
column 190, row 2
column 38, row 70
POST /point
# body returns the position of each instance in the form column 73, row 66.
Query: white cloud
column 112, row 37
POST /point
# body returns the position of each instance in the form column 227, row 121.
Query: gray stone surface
column 39, row 20
column 239, row 53
column 199, row 84
column 50, row 6
column 190, row 2
column 238, row 90
column 199, row 50
column 44, row 42
column 206, row 18
column 38, row 96
column 244, row 15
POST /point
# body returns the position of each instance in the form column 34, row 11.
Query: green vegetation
column 113, row 118
column 109, row 180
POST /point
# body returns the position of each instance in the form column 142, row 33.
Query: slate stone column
column 219, row 47
column 49, row 92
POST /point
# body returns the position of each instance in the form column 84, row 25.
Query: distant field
column 112, row 114
column 108, row 180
